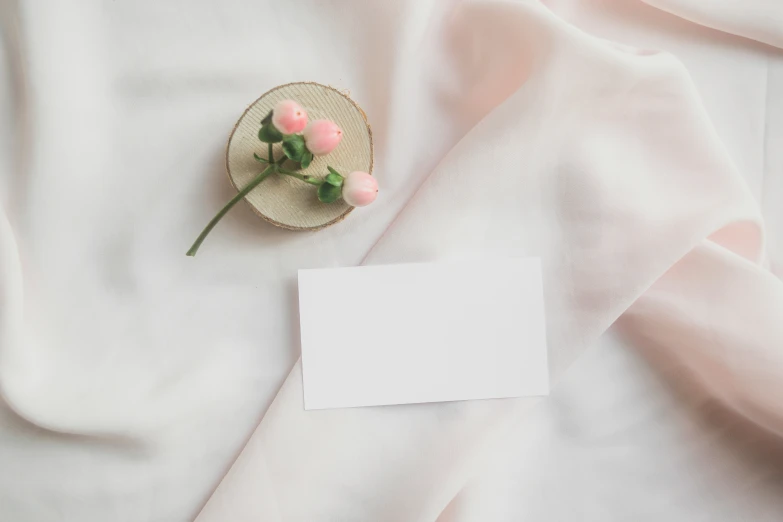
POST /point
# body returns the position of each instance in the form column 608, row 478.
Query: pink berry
column 289, row 117
column 322, row 136
column 359, row 189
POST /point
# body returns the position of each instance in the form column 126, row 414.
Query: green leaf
column 334, row 179
column 259, row 158
column 267, row 119
column 330, row 169
column 294, row 147
column 269, row 134
column 328, row 193
column 307, row 158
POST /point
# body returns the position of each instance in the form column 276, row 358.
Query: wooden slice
column 282, row 200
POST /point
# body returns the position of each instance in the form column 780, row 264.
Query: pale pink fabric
column 760, row 20
column 611, row 173
column 131, row 376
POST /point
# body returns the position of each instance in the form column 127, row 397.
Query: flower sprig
column 287, row 124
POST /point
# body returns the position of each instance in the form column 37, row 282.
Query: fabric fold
column 604, row 164
column 760, row 20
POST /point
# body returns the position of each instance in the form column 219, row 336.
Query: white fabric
column 132, row 375
column 761, row 21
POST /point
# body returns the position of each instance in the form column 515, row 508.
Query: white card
column 397, row 334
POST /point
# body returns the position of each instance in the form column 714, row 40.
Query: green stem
column 304, row 177
column 270, row 158
column 242, row 193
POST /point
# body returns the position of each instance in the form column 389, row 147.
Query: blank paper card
column 412, row 333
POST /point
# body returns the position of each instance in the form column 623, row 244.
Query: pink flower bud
column 359, row 189
column 289, row 117
column 322, row 136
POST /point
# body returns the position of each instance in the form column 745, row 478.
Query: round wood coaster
column 282, row 200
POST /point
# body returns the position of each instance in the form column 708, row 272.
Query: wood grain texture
column 282, row 200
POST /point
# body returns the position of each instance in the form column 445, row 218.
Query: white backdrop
column 132, row 376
